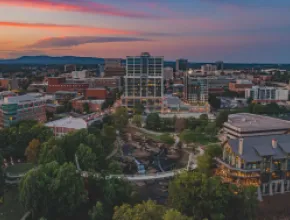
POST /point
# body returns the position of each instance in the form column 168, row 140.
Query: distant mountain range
column 48, row 60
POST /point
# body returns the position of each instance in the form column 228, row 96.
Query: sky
column 240, row 31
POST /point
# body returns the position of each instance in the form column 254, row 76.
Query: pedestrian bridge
column 145, row 177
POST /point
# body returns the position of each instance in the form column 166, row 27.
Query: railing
column 234, row 168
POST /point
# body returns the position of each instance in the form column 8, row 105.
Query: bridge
column 136, row 178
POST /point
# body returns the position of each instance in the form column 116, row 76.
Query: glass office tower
column 144, row 82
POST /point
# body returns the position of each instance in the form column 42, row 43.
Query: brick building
column 240, row 85
column 96, row 93
column 61, row 84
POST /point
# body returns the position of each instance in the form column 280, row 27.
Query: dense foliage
column 200, row 196
column 15, row 140
column 147, row 211
column 52, row 190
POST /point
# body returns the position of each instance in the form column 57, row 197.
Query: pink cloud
column 86, row 6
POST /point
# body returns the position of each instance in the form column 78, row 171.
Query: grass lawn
column 11, row 209
column 19, row 168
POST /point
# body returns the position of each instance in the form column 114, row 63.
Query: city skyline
column 200, row 30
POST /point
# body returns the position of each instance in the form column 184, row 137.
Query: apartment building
column 261, row 161
column 240, row 85
column 19, row 108
column 196, row 90
column 266, row 94
column 144, row 82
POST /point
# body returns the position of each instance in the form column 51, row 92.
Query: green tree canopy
column 121, row 118
column 221, row 118
column 153, row 121
column 137, row 120
column 86, row 157
column 147, row 211
column 139, row 109
column 52, row 190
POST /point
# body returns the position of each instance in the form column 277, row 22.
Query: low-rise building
column 262, row 161
column 265, row 94
column 62, row 84
column 94, row 105
column 66, row 125
column 240, row 85
column 246, row 125
column 96, row 93
column 65, row 96
column 19, row 108
column 168, row 73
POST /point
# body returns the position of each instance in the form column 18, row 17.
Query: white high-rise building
column 267, row 94
column 144, row 82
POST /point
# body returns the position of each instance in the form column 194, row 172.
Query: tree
column 148, row 210
column 173, row 214
column 52, row 190
column 32, row 151
column 221, row 118
column 2, row 181
column 50, row 151
column 87, row 159
column 97, row 213
column 109, row 132
column 195, row 194
column 138, row 109
column 121, row 118
column 153, row 121
column 214, row 102
column 204, row 163
column 86, row 107
column 167, row 139
column 137, row 120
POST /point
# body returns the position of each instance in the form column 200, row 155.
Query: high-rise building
column 219, row 65
column 144, row 82
column 266, row 94
column 196, row 90
column 208, row 69
column 168, row 73
column 181, row 65
column 19, row 108
column 114, row 67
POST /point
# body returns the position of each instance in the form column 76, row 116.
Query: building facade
column 243, row 125
column 114, row 67
column 19, row 108
column 262, row 161
column 62, row 84
column 144, row 82
column 240, row 85
column 64, row 126
column 196, row 90
column 267, row 94
column 208, row 69
column 168, row 73
column 181, row 65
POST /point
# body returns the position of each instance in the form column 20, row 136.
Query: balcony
column 220, row 161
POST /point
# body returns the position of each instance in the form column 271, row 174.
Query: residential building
column 110, row 82
column 80, row 74
column 66, row 125
column 196, row 90
column 261, row 161
column 94, row 105
column 264, row 94
column 246, row 125
column 64, row 96
column 168, row 73
column 114, row 67
column 19, row 108
column 144, row 82
column 62, row 84
column 181, row 65
column 96, row 93
column 8, row 84
column 70, row 67
column 217, row 85
column 219, row 65
column 208, row 69
column 240, row 85
column 7, row 94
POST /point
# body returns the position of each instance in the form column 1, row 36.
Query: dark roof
column 254, row 148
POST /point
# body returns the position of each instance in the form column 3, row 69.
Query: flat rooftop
column 244, row 122
column 18, row 99
column 68, row 122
